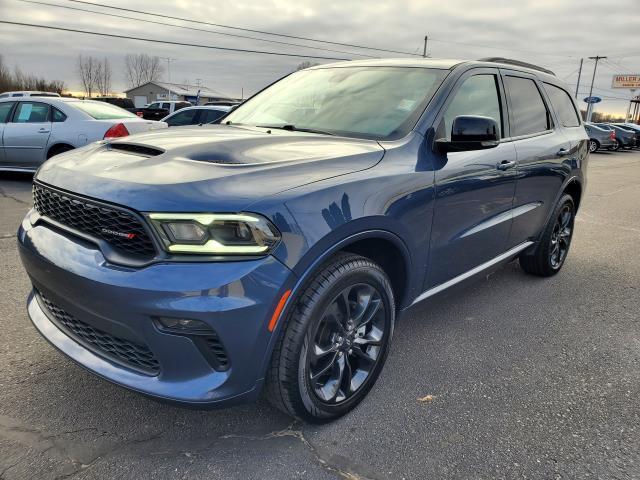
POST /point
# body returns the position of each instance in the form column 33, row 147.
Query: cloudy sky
column 552, row 33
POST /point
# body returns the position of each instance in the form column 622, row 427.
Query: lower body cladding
column 123, row 324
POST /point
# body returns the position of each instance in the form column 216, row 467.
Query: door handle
column 506, row 164
column 562, row 152
column 43, row 130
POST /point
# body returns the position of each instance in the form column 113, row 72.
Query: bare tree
column 17, row 80
column 88, row 71
column 103, row 77
column 142, row 68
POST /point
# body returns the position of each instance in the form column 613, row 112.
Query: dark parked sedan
column 201, row 264
column 624, row 138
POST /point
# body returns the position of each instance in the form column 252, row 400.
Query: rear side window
column 31, row 112
column 5, row 109
column 528, row 112
column 563, row 105
column 478, row 95
column 166, row 105
column 183, row 118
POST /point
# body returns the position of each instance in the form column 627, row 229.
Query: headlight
column 215, row 233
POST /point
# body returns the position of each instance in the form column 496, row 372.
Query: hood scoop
column 136, row 149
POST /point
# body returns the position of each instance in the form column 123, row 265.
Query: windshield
column 368, row 102
column 102, row 111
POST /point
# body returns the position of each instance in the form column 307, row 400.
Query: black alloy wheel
column 550, row 252
column 346, row 343
column 334, row 341
column 561, row 237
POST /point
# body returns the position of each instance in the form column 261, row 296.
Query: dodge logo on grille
column 130, row 236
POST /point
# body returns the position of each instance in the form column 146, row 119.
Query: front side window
column 528, row 112
column 364, row 102
column 166, row 105
column 563, row 105
column 478, row 95
column 154, row 106
column 182, row 118
column 101, row 110
column 31, row 112
column 5, row 110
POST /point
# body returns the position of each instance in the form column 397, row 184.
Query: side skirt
column 474, row 271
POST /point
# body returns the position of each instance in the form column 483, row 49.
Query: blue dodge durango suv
column 276, row 250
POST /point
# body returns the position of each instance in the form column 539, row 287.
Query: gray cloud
column 552, row 33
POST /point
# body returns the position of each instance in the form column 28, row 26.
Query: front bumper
column 234, row 298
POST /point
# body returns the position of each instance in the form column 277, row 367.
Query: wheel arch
column 59, row 145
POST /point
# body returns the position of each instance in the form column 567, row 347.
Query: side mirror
column 470, row 132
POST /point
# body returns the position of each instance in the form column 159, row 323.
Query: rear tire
column 616, row 147
column 334, row 342
column 553, row 248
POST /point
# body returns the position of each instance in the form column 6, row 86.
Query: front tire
column 593, row 146
column 335, row 341
column 553, row 248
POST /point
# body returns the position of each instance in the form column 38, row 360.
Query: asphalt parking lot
column 529, row 378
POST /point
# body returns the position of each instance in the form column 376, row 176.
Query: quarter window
column 58, row 116
column 31, row 112
column 478, row 95
column 5, row 109
column 563, row 105
column 528, row 112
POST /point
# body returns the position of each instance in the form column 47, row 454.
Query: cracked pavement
column 530, row 378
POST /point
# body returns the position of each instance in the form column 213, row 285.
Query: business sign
column 626, row 81
column 592, row 99
column 166, row 96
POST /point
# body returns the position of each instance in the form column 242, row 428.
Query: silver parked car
column 35, row 129
column 600, row 137
column 624, row 138
column 196, row 115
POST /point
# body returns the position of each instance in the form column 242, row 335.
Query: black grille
column 133, row 355
column 215, row 347
column 121, row 229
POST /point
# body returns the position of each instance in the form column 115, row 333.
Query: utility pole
column 579, row 75
column 169, row 60
column 424, row 51
column 627, row 118
column 595, row 67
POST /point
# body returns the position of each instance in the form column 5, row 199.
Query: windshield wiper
column 293, row 128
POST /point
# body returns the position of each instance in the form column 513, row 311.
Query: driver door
column 474, row 189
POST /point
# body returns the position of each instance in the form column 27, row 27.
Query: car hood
column 207, row 168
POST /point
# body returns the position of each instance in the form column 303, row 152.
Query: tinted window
column 478, row 95
column 58, row 116
column 563, row 105
column 18, row 95
column 31, row 112
column 183, row 118
column 154, row 106
column 5, row 109
column 166, row 105
column 209, row 116
column 528, row 112
column 102, row 111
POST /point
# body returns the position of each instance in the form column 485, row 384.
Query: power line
column 182, row 19
column 167, row 42
column 194, row 28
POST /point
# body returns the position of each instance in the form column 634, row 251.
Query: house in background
column 154, row 91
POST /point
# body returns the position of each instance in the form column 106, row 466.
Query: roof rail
column 518, row 63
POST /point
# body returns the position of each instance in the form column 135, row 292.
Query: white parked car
column 29, row 93
column 196, row 115
column 36, row 128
